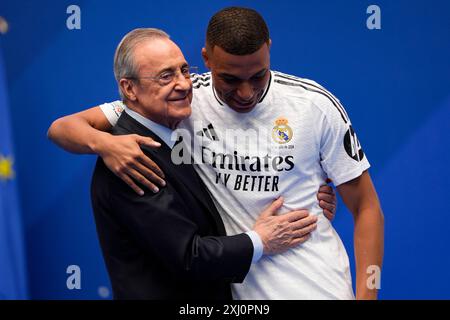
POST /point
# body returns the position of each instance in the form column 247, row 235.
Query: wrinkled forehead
column 158, row 54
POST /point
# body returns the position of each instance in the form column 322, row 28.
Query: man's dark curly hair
column 239, row 31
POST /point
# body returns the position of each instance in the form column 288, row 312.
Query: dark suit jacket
column 168, row 245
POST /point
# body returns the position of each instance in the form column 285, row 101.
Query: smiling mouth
column 244, row 105
column 179, row 99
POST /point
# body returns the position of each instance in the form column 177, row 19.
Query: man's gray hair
column 124, row 64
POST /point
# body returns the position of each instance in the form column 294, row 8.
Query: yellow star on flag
column 6, row 168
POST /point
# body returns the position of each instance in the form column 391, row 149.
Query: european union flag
column 12, row 258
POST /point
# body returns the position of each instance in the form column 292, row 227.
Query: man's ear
column 269, row 44
column 206, row 58
column 127, row 88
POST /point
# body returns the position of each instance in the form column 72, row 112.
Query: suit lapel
column 185, row 173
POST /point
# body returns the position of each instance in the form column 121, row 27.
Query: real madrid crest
column 281, row 133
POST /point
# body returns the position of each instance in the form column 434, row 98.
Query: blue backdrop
column 394, row 82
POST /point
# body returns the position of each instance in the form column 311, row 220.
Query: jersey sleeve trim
column 112, row 111
column 350, row 175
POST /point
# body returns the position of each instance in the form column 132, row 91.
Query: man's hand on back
column 327, row 201
column 124, row 157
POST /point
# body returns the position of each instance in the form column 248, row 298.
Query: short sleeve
column 341, row 153
column 113, row 110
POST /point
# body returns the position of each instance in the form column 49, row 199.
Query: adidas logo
column 209, row 132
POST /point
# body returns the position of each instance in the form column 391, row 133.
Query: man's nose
column 245, row 91
column 183, row 82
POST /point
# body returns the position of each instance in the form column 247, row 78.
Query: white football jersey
column 298, row 135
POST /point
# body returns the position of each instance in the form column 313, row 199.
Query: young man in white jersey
column 310, row 139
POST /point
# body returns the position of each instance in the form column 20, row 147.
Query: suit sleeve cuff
column 258, row 247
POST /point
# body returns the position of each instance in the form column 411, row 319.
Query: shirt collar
column 161, row 131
